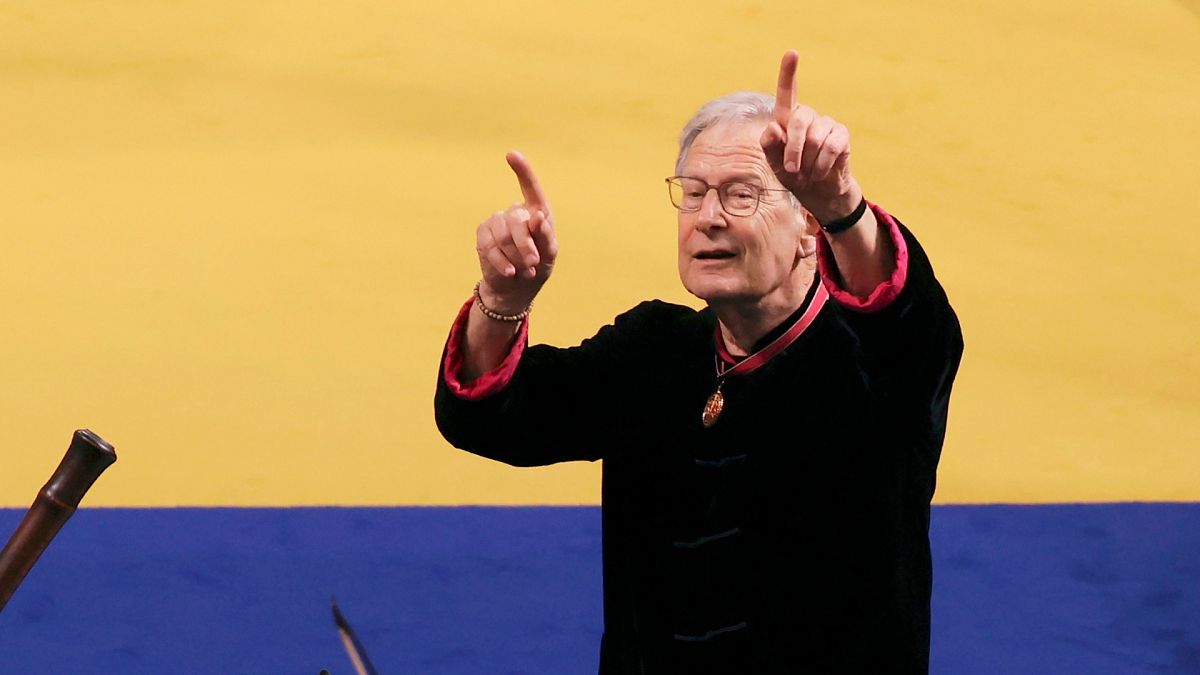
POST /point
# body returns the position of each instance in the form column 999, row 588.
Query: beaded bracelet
column 491, row 314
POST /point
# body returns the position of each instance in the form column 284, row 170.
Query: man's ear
column 810, row 230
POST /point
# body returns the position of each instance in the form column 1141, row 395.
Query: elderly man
column 769, row 461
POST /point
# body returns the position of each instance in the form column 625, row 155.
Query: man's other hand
column 517, row 246
column 810, row 153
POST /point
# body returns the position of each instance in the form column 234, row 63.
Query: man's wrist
column 840, row 225
column 495, row 303
column 840, row 207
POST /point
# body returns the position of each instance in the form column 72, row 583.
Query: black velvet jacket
column 792, row 535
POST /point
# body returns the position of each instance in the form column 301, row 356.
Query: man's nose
column 711, row 213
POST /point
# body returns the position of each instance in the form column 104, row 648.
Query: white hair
column 741, row 106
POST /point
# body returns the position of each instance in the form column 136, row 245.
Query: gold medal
column 713, row 408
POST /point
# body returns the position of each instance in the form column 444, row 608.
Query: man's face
column 743, row 259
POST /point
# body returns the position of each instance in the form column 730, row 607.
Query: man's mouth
column 715, row 255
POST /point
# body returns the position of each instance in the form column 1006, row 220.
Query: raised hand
column 810, row 153
column 516, row 246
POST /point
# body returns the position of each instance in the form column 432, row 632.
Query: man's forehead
column 732, row 148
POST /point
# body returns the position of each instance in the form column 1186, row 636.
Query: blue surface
column 1018, row 589
column 1096, row 589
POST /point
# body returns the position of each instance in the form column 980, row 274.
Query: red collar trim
column 757, row 359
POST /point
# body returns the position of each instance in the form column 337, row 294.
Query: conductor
column 768, row 461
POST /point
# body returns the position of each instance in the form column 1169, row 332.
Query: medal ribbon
column 757, row 359
column 716, row 402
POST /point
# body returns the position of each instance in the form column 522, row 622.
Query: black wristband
column 843, row 224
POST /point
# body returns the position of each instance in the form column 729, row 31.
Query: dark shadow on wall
column 1192, row 6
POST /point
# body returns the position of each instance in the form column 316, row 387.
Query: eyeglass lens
column 738, row 198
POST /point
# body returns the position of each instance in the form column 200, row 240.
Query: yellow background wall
column 234, row 234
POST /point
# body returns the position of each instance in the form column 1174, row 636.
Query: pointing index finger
column 785, row 90
column 530, row 188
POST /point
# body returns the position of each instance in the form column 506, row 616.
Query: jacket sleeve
column 908, row 336
column 555, row 404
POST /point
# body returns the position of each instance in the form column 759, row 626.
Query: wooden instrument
column 86, row 458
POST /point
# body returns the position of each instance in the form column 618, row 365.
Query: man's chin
column 716, row 293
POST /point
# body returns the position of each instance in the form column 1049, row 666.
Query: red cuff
column 887, row 290
column 490, row 382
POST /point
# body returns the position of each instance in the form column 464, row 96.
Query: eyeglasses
column 738, row 198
